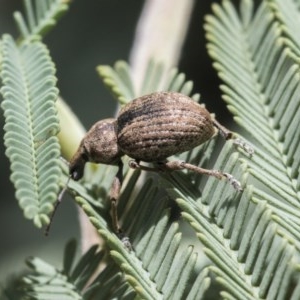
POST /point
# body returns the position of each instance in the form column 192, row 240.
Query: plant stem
column 160, row 35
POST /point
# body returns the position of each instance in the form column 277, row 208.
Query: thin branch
column 160, row 34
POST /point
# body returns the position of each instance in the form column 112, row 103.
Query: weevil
column 150, row 129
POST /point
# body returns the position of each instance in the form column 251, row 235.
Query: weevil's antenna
column 58, row 201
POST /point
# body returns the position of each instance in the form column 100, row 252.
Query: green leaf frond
column 82, row 279
column 287, row 13
column 40, row 17
column 119, row 81
column 44, row 281
column 238, row 234
column 157, row 261
column 31, row 126
column 261, row 87
column 158, row 267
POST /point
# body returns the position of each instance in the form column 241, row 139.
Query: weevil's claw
column 133, row 164
column 241, row 143
column 125, row 241
column 234, row 182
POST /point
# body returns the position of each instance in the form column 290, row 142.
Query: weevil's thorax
column 156, row 126
column 101, row 144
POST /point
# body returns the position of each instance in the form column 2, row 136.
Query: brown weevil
column 150, row 129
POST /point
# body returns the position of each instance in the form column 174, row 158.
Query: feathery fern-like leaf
column 266, row 105
column 119, row 82
column 287, row 13
column 31, row 126
column 41, row 16
column 44, row 281
column 150, row 269
column 261, row 83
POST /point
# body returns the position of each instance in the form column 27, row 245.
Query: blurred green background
column 91, row 33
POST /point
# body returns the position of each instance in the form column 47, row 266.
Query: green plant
column 251, row 238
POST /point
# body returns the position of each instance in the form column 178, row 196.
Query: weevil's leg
column 179, row 165
column 135, row 164
column 114, row 196
column 227, row 134
column 57, row 203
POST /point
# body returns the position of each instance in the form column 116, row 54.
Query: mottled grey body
column 150, row 128
column 156, row 126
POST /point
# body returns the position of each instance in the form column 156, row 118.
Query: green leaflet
column 41, row 16
column 157, row 262
column 251, row 262
column 158, row 268
column 261, row 86
column 119, row 82
column 47, row 282
column 251, row 54
column 287, row 13
column 31, row 126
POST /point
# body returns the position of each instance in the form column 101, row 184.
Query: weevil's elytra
column 154, row 127
column 151, row 128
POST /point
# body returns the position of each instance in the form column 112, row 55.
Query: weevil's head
column 100, row 145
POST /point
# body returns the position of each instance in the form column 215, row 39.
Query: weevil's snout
column 76, row 167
